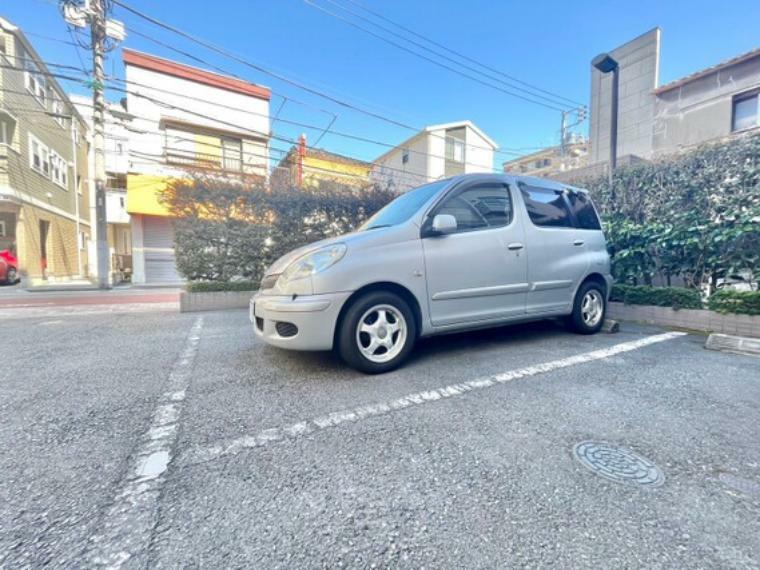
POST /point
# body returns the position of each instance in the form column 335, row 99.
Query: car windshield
column 403, row 207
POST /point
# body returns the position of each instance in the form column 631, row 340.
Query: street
column 157, row 439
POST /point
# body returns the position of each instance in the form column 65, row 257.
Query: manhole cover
column 619, row 465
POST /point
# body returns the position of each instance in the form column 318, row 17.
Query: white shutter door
column 158, row 241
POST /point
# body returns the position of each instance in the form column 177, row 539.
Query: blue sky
column 547, row 44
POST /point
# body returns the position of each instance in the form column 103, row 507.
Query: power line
column 552, row 105
column 461, row 55
column 234, row 57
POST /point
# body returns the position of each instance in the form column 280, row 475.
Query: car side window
column 585, row 215
column 546, row 207
column 479, row 207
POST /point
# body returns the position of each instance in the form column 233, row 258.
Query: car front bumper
column 303, row 323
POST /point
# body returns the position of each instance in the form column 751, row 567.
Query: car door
column 558, row 259
column 479, row 272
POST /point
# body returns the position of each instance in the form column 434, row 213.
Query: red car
column 8, row 267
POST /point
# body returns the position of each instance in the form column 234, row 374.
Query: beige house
column 436, row 152
column 551, row 161
column 43, row 167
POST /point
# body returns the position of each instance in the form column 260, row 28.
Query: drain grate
column 619, row 465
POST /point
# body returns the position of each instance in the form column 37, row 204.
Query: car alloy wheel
column 381, row 333
column 592, row 308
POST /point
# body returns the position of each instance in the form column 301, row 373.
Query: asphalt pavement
column 157, row 439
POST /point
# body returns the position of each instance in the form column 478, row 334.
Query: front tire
column 377, row 332
column 589, row 309
column 11, row 276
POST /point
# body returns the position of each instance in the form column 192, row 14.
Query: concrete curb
column 693, row 319
column 218, row 300
column 736, row 344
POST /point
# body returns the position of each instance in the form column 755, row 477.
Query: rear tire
column 589, row 309
column 377, row 332
column 11, row 276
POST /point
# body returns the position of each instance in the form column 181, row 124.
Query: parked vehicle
column 468, row 252
column 8, row 267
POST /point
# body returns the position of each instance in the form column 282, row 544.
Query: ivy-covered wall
column 694, row 215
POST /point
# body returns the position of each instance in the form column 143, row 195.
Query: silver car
column 468, row 252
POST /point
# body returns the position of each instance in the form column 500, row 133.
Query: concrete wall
column 702, row 109
column 639, row 75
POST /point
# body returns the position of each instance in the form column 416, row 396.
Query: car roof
column 515, row 179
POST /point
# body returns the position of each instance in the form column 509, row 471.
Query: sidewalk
column 58, row 296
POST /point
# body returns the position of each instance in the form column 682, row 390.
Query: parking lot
column 153, row 438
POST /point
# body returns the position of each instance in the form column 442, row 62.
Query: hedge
column 214, row 286
column 675, row 297
column 739, row 302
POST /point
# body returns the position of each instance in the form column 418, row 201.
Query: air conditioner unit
column 115, row 30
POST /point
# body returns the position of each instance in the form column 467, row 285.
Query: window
column 3, row 232
column 58, row 170
column 478, row 207
column 405, row 156
column 546, row 207
column 403, row 207
column 585, row 215
column 39, row 157
column 4, row 135
column 58, row 109
column 454, row 149
column 232, row 150
column 745, row 112
column 33, row 78
column 82, row 240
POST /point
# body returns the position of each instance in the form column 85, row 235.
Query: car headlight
column 312, row 263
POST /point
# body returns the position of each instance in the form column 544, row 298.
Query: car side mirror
column 443, row 224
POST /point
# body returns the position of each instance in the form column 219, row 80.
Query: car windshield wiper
column 377, row 227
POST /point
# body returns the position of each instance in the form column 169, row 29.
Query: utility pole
column 98, row 29
column 78, row 14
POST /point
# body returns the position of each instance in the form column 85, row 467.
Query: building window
column 405, row 156
column 745, row 112
column 82, row 240
column 4, row 138
column 39, row 156
column 232, row 150
column 34, row 80
column 3, row 232
column 454, row 149
column 58, row 109
column 58, row 170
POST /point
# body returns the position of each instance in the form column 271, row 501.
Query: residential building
column 304, row 167
column 44, row 198
column 655, row 120
column 184, row 120
column 117, row 166
column 438, row 151
column 551, row 161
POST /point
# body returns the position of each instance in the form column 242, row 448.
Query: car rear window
column 583, row 209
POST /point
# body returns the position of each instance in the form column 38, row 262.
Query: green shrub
column 739, row 302
column 675, row 297
column 214, row 286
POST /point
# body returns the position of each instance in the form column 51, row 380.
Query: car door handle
column 515, row 245
column 578, row 242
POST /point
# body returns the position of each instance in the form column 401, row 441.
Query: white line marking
column 268, row 436
column 127, row 525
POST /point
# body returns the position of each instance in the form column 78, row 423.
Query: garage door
column 158, row 241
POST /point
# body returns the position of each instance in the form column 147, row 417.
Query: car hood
column 353, row 240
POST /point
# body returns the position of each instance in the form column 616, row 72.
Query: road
column 159, row 439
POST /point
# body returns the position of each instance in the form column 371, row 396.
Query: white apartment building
column 117, row 167
column 436, row 152
column 184, row 119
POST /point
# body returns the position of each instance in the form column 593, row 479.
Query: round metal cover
column 619, row 465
